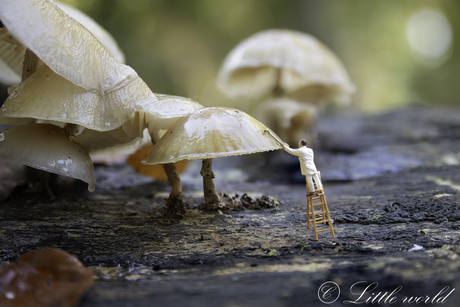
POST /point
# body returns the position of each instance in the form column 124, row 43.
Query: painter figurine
column 307, row 164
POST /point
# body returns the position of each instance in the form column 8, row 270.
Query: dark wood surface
column 392, row 183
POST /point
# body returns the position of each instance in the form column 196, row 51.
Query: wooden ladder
column 322, row 216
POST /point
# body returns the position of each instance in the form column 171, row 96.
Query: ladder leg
column 329, row 217
column 314, row 223
column 323, row 205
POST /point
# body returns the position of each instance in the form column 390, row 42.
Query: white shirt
column 305, row 154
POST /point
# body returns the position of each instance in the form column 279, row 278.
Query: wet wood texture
column 392, row 183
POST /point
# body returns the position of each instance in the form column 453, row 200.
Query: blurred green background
column 397, row 52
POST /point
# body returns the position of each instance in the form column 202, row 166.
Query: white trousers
column 310, row 184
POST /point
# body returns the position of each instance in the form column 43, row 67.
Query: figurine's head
column 302, row 142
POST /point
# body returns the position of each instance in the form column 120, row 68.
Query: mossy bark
column 210, row 196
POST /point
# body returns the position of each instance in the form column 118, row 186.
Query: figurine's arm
column 283, row 144
column 290, row 150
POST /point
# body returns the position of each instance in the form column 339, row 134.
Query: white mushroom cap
column 96, row 29
column 251, row 68
column 66, row 46
column 210, row 133
column 133, row 134
column 48, row 96
column 49, row 148
column 170, row 108
column 12, row 52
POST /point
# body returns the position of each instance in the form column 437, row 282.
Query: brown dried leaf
column 155, row 171
column 46, row 277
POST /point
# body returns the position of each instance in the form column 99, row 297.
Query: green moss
column 273, row 253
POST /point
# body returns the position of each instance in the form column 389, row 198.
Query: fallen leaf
column 45, row 277
column 155, row 171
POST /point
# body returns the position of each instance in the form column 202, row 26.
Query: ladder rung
column 318, row 212
column 323, row 230
column 317, row 204
column 318, row 220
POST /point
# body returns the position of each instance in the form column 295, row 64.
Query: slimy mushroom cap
column 210, row 133
column 12, row 52
column 64, row 45
column 49, row 148
column 48, row 96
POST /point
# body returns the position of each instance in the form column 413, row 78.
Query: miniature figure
column 315, row 198
column 307, row 165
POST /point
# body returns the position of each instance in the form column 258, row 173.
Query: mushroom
column 48, row 96
column 210, row 133
column 154, row 120
column 89, row 86
column 81, row 83
column 12, row 52
column 285, row 63
column 61, row 154
column 64, row 45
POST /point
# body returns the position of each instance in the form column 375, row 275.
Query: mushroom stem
column 174, row 204
column 277, row 90
column 210, row 196
column 30, row 64
column 72, row 129
column 39, row 181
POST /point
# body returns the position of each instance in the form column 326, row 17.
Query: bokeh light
column 429, row 34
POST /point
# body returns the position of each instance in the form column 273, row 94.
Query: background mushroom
column 285, row 63
column 210, row 133
column 292, row 120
